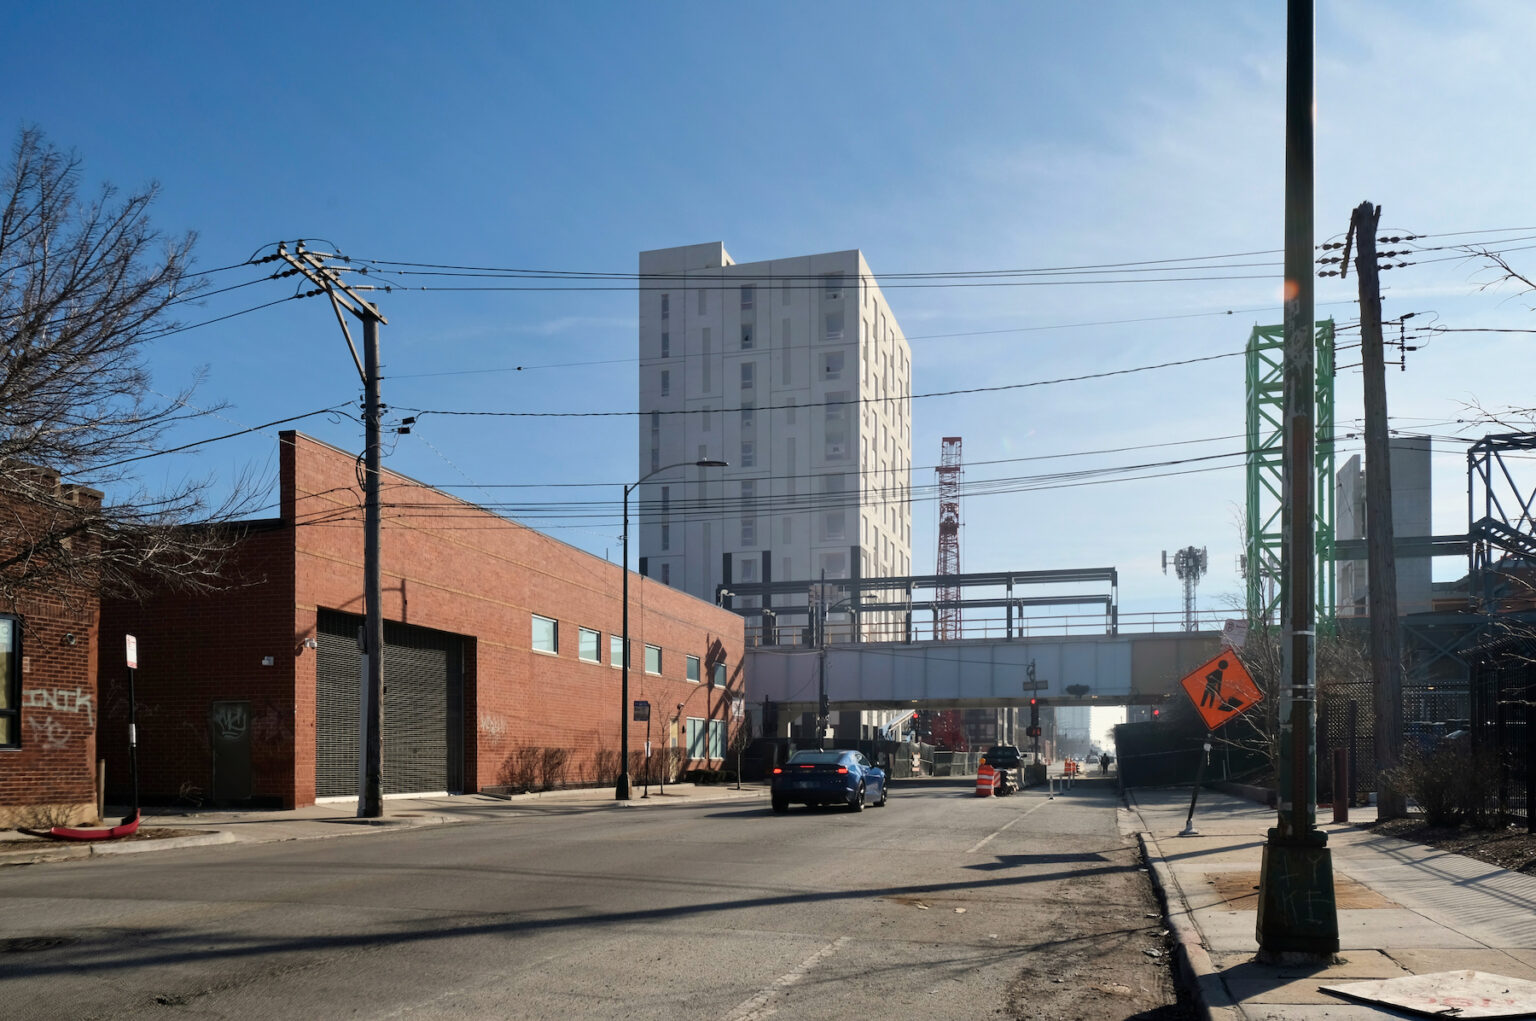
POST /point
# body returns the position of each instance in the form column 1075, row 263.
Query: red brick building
column 48, row 697
column 501, row 655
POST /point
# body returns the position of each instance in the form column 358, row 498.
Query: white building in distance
column 795, row 372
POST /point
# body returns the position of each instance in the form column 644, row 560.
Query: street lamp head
column 711, row 463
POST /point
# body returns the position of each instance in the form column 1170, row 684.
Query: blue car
column 839, row 777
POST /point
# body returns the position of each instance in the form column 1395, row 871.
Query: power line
column 853, row 401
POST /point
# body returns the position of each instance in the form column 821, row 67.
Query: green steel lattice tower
column 1266, row 415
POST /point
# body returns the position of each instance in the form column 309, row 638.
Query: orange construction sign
column 1221, row 689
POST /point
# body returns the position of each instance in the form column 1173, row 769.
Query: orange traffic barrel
column 986, row 779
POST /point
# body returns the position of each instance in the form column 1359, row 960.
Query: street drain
column 33, row 944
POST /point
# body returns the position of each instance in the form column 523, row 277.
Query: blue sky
column 965, row 137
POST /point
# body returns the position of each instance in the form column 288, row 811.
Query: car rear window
column 800, row 758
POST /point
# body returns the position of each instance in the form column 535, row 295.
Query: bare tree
column 85, row 285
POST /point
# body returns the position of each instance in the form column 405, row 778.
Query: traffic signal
column 1034, row 716
column 1156, row 712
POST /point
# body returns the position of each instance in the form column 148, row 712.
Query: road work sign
column 1221, row 689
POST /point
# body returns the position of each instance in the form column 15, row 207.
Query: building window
column 786, row 361
column 748, row 294
column 546, row 635
column 705, row 368
column 666, row 344
column 832, row 286
column 749, row 494
column 615, row 650
column 748, row 373
column 653, row 657
column 708, row 415
column 10, row 682
column 666, row 536
column 717, row 739
column 748, row 454
column 748, row 569
column 835, row 564
column 666, row 307
column 834, row 324
column 831, row 366
column 666, row 382
column 835, row 426
column 746, row 336
column 748, row 416
column 693, row 669
column 749, row 531
column 696, row 734
column 587, row 645
column 719, row 675
column 786, row 532
column 702, row 294
column 784, row 289
column 833, row 526
column 666, row 574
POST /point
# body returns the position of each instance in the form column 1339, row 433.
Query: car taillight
column 842, row 769
column 777, row 770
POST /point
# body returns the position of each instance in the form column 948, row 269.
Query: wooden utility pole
column 1386, row 654
column 346, row 298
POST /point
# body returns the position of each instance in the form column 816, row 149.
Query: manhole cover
column 32, row 944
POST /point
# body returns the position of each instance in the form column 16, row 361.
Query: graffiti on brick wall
column 48, row 732
column 61, row 700
column 273, row 725
column 493, row 728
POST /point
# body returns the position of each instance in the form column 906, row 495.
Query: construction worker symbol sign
column 1221, row 689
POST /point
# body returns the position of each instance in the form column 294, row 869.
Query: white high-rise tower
column 796, row 372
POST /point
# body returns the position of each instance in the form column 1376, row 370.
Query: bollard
column 1341, row 785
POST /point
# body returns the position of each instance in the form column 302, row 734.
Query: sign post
column 643, row 715
column 132, row 649
column 1221, row 690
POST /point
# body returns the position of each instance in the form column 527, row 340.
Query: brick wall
column 51, row 776
column 447, row 566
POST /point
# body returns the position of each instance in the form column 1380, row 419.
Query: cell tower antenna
column 1189, row 564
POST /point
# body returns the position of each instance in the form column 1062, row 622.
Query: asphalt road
column 940, row 905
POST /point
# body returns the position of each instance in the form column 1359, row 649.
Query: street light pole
column 621, row 789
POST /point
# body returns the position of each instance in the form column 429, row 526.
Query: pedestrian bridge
column 1117, row 669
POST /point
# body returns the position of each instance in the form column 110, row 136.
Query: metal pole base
column 1298, row 918
column 1189, row 831
column 621, row 789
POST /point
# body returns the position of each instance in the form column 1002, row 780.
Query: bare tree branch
column 84, row 284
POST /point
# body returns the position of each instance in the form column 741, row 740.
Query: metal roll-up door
column 423, row 708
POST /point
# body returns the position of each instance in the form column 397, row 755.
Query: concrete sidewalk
column 339, row 819
column 1403, row 909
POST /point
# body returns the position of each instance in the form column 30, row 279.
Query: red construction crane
column 948, row 731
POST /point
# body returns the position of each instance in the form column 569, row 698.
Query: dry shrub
column 552, row 763
column 1451, row 784
column 520, row 769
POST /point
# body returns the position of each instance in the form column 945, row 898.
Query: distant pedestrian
column 1103, row 763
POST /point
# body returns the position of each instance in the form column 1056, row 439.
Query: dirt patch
column 1241, row 892
column 1513, row 849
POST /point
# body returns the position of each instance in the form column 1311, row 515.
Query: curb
column 48, row 852
column 1196, row 971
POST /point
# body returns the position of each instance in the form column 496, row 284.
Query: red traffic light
column 1031, row 701
column 1156, row 713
